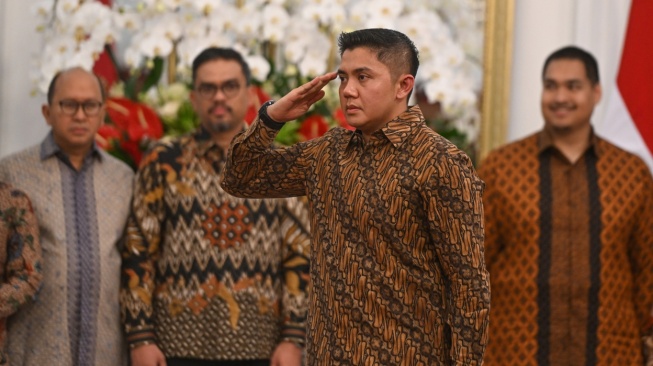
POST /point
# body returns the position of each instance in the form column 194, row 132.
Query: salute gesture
column 390, row 165
column 297, row 102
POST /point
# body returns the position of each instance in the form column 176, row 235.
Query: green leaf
column 130, row 87
column 122, row 155
column 154, row 75
column 288, row 134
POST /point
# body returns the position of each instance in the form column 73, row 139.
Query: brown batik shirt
column 207, row 275
column 397, row 269
column 20, row 256
column 569, row 247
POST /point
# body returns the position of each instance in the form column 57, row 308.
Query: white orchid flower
column 85, row 58
column 133, row 57
column 225, row 19
column 66, row 7
column 169, row 109
column 168, row 25
column 358, row 14
column 42, row 9
column 176, row 91
column 129, row 21
column 447, row 33
column 385, row 9
column 259, row 66
column 60, row 45
column 312, row 12
column 294, row 50
column 312, row 65
column 197, row 27
column 156, row 45
column 337, row 16
column 276, row 22
column 249, row 24
column 206, row 7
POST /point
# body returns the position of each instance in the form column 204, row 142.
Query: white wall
column 21, row 123
column 540, row 28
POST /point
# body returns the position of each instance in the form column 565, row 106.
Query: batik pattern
column 41, row 333
column 397, row 268
column 569, row 247
column 207, row 275
column 20, row 256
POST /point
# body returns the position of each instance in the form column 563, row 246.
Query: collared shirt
column 397, row 269
column 83, row 257
column 81, row 215
column 20, row 256
column 569, row 247
column 205, row 274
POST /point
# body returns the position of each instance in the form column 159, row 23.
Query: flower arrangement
column 285, row 42
column 132, row 126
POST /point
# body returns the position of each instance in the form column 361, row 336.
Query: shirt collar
column 205, row 143
column 545, row 142
column 50, row 148
column 398, row 129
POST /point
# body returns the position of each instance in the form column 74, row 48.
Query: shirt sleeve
column 295, row 268
column 491, row 201
column 143, row 237
column 257, row 169
column 642, row 259
column 455, row 210
column 23, row 267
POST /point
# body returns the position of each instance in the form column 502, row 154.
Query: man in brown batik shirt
column 397, row 266
column 569, row 234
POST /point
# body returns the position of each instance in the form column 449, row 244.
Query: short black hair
column 53, row 84
column 394, row 49
column 219, row 53
column 575, row 53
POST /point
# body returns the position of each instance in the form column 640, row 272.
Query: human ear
column 45, row 111
column 406, row 82
column 598, row 92
column 193, row 97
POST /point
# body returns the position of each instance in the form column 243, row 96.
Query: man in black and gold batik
column 397, row 266
column 208, row 278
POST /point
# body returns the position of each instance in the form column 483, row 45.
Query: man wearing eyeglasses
column 208, row 278
column 81, row 198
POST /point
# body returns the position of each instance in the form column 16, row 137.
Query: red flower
column 339, row 116
column 137, row 119
column 134, row 149
column 106, row 135
column 131, row 125
column 313, row 126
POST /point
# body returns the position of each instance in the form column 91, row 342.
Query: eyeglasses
column 90, row 107
column 208, row 90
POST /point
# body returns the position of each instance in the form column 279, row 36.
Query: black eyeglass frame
column 70, row 107
column 208, row 90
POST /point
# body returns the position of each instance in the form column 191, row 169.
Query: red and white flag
column 629, row 112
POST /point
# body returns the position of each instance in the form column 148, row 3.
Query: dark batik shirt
column 397, row 269
column 569, row 247
column 207, row 275
column 20, row 256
